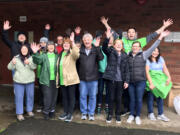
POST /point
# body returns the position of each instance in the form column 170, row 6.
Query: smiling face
column 118, row 45
column 50, row 48
column 155, row 53
column 66, row 46
column 87, row 42
column 136, row 47
column 21, row 38
column 24, row 50
column 131, row 33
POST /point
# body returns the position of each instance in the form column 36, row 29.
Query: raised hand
column 104, row 20
column 164, row 34
column 167, row 23
column 72, row 36
column 6, row 25
column 26, row 61
column 77, row 30
column 35, row 48
column 47, row 26
column 14, row 61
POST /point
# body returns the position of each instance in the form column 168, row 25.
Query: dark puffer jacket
column 14, row 46
column 137, row 67
column 88, row 65
column 112, row 57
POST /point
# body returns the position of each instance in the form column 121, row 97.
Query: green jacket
column 23, row 73
column 159, row 81
column 42, row 59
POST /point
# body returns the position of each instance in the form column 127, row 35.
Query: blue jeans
column 101, row 83
column 150, row 101
column 136, row 92
column 20, row 89
column 88, row 88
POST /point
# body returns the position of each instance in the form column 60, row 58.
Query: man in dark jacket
column 14, row 45
column 88, row 73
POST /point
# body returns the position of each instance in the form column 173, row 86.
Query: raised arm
column 37, row 58
column 166, row 24
column 105, row 47
column 5, row 37
column 149, row 51
column 46, row 30
column 75, row 50
column 105, row 22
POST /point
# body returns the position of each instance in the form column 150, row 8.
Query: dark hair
column 131, row 28
column 136, row 42
column 157, row 58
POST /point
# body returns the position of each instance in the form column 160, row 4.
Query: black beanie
column 21, row 32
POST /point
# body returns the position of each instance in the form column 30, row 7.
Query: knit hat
column 43, row 39
column 21, row 32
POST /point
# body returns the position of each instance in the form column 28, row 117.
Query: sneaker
column 163, row 118
column 151, row 116
column 69, row 118
column 52, row 115
column 91, row 117
column 83, row 117
column 118, row 119
column 63, row 116
column 39, row 109
column 130, row 119
column 138, row 120
column 30, row 114
column 109, row 118
column 20, row 117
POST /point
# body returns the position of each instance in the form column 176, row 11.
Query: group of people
column 89, row 66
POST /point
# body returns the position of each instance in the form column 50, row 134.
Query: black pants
column 40, row 95
column 49, row 97
column 126, row 99
column 115, row 93
column 68, row 97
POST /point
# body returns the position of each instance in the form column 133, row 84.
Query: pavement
column 10, row 126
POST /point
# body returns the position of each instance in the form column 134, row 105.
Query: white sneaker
column 163, row 118
column 130, row 119
column 151, row 116
column 83, row 117
column 138, row 120
column 91, row 117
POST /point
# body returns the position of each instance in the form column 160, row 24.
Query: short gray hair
column 87, row 35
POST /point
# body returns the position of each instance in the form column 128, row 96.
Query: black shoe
column 51, row 115
column 109, row 118
column 118, row 119
column 46, row 116
column 63, row 116
column 69, row 118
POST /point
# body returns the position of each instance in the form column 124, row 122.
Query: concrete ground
column 8, row 117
